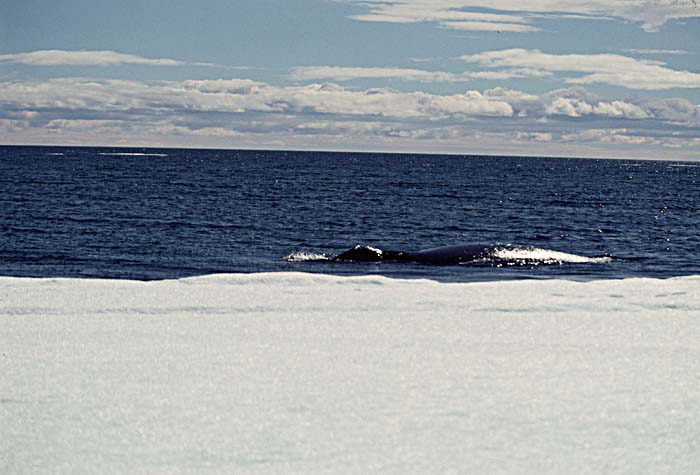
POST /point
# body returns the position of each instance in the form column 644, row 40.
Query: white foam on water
column 133, row 154
column 546, row 256
column 306, row 256
column 278, row 373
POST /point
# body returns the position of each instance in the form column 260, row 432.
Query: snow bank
column 300, row 373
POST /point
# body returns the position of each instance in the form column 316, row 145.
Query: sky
column 590, row 78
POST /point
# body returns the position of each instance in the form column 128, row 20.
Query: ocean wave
column 132, row 154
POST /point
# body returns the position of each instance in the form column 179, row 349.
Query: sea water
column 169, row 213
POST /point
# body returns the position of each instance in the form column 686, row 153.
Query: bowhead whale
column 468, row 253
column 498, row 255
column 439, row 255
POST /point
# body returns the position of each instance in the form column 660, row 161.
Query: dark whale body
column 446, row 255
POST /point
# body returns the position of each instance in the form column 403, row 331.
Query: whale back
column 439, row 255
column 361, row 254
column 453, row 254
column 372, row 254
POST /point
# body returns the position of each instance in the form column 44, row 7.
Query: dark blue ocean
column 170, row 213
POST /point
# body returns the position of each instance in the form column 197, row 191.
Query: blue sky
column 531, row 77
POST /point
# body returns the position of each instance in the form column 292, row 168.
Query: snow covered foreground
column 299, row 373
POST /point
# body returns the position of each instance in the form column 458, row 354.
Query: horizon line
column 361, row 152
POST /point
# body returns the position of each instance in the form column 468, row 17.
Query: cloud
column 577, row 108
column 577, row 102
column 337, row 73
column 341, row 74
column 671, row 109
column 469, row 14
column 534, row 136
column 629, row 137
column 614, row 69
column 241, row 112
column 595, row 68
column 30, row 99
column 88, row 58
column 620, row 109
column 488, row 26
column 512, row 73
column 446, row 14
column 241, row 96
column 656, row 51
